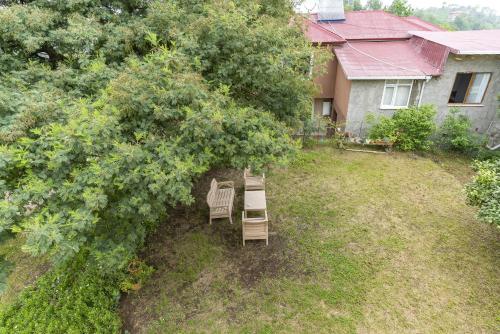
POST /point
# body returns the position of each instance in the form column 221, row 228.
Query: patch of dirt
column 248, row 264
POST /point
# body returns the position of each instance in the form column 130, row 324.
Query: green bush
column 455, row 134
column 484, row 190
column 76, row 298
column 409, row 128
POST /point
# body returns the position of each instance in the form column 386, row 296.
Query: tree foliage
column 400, row 8
column 110, row 110
column 374, row 4
column 454, row 17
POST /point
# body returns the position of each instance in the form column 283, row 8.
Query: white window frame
column 393, row 101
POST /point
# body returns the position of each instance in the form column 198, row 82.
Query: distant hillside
column 453, row 17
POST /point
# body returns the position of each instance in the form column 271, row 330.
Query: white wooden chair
column 254, row 182
column 255, row 228
column 220, row 200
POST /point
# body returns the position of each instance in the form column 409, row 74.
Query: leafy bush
column 75, row 298
column 455, row 134
column 409, row 128
column 484, row 190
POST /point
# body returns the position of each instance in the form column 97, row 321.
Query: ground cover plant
column 359, row 243
column 484, row 190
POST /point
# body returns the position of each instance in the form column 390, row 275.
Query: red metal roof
column 317, row 34
column 374, row 24
column 383, row 60
column 423, row 24
column 473, row 42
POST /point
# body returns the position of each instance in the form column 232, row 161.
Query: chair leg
column 267, row 241
column 210, row 220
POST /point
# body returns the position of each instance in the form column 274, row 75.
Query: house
column 383, row 62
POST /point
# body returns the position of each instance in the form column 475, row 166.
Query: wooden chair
column 255, row 228
column 220, row 200
column 253, row 182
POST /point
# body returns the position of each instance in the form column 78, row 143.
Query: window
column 469, row 88
column 327, row 107
column 396, row 94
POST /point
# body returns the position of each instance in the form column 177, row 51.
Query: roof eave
column 390, row 77
column 471, row 53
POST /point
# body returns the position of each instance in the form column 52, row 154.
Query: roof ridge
column 427, row 22
column 403, row 19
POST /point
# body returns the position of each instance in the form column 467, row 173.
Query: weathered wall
column 437, row 90
column 326, row 82
column 365, row 98
column 366, row 95
column 341, row 95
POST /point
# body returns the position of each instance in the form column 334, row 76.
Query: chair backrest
column 246, row 173
column 212, row 192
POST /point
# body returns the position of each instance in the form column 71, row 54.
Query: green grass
column 17, row 269
column 361, row 243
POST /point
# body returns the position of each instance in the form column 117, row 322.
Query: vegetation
column 448, row 16
column 110, row 111
column 484, row 190
column 367, row 243
column 455, row 17
column 76, row 298
column 455, row 134
column 409, row 128
column 400, row 8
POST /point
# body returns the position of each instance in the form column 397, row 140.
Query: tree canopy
column 110, row 110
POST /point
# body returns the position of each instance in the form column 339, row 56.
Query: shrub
column 75, row 298
column 409, row 128
column 455, row 134
column 484, row 190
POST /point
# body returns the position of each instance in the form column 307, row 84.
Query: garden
column 114, row 118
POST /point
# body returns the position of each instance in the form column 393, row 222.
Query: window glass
column 389, row 92
column 327, row 107
column 402, row 96
column 460, row 87
column 478, row 87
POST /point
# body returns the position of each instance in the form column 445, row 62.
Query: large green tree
column 110, row 110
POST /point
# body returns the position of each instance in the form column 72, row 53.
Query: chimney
column 331, row 10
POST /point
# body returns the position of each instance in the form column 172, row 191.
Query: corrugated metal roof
column 373, row 24
column 383, row 60
column 474, row 42
column 317, row 34
column 424, row 24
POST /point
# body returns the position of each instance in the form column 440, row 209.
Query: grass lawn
column 361, row 243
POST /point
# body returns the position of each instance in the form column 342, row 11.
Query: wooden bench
column 220, row 200
column 254, row 182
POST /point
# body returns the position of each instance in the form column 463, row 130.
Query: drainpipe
column 427, row 79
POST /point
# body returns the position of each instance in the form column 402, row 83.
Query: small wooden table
column 255, row 200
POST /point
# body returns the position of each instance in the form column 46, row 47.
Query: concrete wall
column 365, row 98
column 437, row 90
column 326, row 82
column 366, row 95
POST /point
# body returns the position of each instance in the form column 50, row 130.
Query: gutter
column 385, row 77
